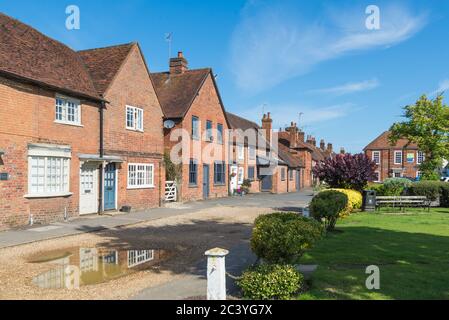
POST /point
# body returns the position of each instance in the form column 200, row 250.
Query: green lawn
column 411, row 250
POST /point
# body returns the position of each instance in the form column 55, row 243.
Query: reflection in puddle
column 88, row 266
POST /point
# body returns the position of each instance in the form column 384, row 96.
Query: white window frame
column 138, row 257
column 421, row 155
column 137, row 120
column 240, row 152
column 418, row 174
column 46, row 153
column 374, row 157
column 241, row 175
column 252, row 154
column 396, row 153
column 397, row 172
column 378, row 176
column 143, row 172
column 65, row 111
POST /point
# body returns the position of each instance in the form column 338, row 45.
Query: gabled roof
column 382, row 142
column 103, row 64
column 290, row 159
column 28, row 55
column 284, row 138
column 237, row 122
column 177, row 92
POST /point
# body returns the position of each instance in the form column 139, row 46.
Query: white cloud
column 348, row 88
column 283, row 115
column 443, row 86
column 272, row 44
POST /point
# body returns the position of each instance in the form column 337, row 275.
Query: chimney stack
column 301, row 136
column 342, row 150
column 178, row 65
column 267, row 125
column 293, row 130
column 330, row 148
column 322, row 145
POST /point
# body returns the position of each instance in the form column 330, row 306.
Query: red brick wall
column 409, row 170
column 206, row 107
column 28, row 115
column 133, row 87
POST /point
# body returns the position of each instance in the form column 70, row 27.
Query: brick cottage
column 59, row 157
column 190, row 99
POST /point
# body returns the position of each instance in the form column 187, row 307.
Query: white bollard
column 216, row 274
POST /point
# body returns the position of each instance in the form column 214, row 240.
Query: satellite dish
column 169, row 124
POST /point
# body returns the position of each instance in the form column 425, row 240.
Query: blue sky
column 287, row 57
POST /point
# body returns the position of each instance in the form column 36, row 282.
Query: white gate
column 171, row 191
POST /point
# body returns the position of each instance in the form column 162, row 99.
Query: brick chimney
column 267, row 125
column 293, row 130
column 322, row 145
column 330, row 148
column 301, row 136
column 178, row 65
column 342, row 150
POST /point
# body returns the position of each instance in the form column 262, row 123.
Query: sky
column 312, row 62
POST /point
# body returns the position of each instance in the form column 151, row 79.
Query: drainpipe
column 100, row 197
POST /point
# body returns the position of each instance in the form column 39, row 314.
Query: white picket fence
column 171, row 194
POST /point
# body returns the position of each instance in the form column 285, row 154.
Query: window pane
column 195, row 128
column 220, row 133
column 130, row 117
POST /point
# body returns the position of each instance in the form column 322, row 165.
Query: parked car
column 445, row 179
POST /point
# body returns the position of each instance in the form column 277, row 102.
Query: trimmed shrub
column 270, row 281
column 395, row 186
column 430, row 189
column 355, row 201
column 327, row 206
column 378, row 187
column 444, row 194
column 283, row 237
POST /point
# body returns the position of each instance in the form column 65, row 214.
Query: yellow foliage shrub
column 355, row 200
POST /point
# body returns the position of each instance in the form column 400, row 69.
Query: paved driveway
column 286, row 202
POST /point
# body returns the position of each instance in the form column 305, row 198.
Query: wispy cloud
column 284, row 114
column 443, row 86
column 348, row 88
column 273, row 43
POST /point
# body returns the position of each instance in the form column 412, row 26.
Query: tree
column 346, row 171
column 427, row 125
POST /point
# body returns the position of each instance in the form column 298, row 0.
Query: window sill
column 69, row 123
column 135, row 130
column 48, row 195
column 220, row 184
column 140, row 187
column 193, row 186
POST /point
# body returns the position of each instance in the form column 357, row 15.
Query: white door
column 234, row 179
column 89, row 189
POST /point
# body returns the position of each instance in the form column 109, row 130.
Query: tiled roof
column 382, row 142
column 104, row 63
column 27, row 54
column 237, row 122
column 290, row 159
column 284, row 138
column 177, row 92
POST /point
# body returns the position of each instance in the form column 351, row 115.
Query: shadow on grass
column 412, row 265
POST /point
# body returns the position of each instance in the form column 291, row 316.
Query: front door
column 109, row 186
column 298, row 180
column 205, row 181
column 267, row 183
column 234, row 179
column 89, row 189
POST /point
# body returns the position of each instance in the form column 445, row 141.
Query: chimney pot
column 180, row 54
column 179, row 64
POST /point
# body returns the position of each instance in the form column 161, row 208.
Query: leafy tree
column 427, row 125
column 173, row 172
column 346, row 171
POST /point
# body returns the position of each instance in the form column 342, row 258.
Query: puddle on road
column 77, row 267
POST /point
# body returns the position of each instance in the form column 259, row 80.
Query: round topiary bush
column 283, row 237
column 327, row 206
column 270, row 281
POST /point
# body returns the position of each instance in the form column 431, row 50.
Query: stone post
column 216, row 274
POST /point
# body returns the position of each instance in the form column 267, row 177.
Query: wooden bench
column 403, row 202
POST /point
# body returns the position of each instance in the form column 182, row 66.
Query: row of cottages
column 89, row 136
column 394, row 161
